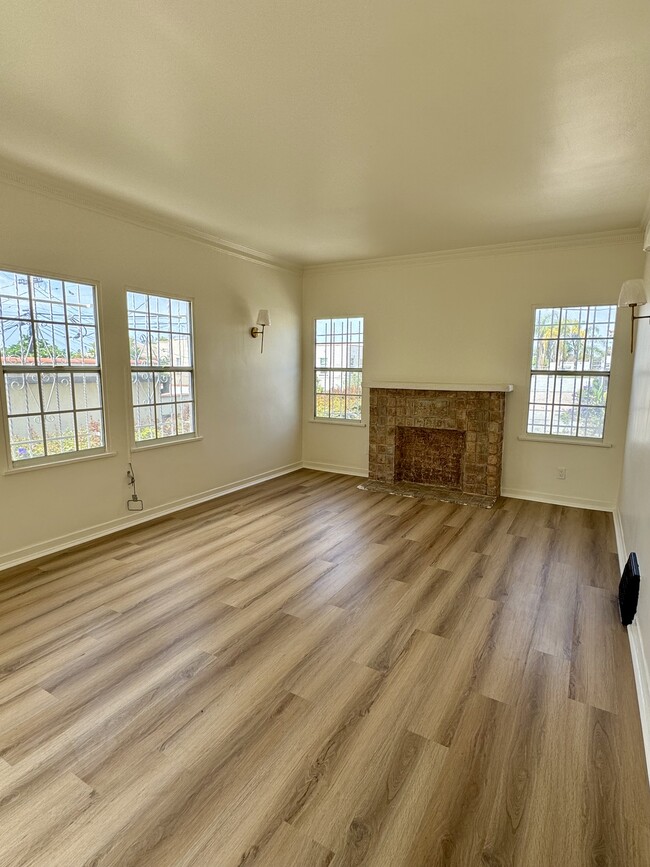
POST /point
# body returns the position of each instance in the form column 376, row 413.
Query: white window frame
column 330, row 419
column 36, row 369
column 557, row 372
column 158, row 442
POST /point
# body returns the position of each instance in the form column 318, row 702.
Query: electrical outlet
column 561, row 473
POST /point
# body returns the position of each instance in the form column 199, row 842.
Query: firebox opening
column 429, row 456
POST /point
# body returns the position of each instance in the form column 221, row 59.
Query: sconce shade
column 263, row 318
column 632, row 292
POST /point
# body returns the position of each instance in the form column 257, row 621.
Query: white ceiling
column 321, row 131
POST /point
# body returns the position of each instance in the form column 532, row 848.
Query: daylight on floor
column 324, row 434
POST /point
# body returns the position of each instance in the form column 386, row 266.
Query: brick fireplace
column 446, row 438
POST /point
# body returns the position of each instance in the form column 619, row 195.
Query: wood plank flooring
column 304, row 674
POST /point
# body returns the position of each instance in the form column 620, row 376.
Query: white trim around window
column 162, row 380
column 338, row 369
column 51, row 388
column 569, row 379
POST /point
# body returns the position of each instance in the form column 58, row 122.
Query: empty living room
column 325, row 434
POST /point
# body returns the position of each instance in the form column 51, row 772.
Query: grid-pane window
column 337, row 369
column 49, row 349
column 571, row 361
column 162, row 367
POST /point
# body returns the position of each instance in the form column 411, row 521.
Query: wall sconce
column 632, row 295
column 263, row 319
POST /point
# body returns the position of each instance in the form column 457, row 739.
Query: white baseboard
column 639, row 660
column 621, row 547
column 539, row 497
column 55, row 546
column 642, row 681
column 336, row 468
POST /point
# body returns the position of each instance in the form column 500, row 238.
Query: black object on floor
column 628, row 590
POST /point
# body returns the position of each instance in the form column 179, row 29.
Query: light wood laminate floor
column 305, row 674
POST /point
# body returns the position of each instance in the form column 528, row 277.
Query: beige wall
column 469, row 319
column 634, row 505
column 248, row 404
column 449, row 319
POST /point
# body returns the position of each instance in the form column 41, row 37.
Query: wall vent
column 628, row 590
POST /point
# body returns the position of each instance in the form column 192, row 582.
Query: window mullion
column 65, row 317
column 555, row 379
column 32, row 313
column 74, row 410
column 15, row 368
column 42, row 412
column 22, row 414
column 582, row 382
column 583, row 340
column 67, row 341
column 155, row 402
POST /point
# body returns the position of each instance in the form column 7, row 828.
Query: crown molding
column 594, row 239
column 52, row 187
column 645, row 220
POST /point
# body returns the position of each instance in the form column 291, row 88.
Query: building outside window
column 338, row 368
column 162, row 366
column 51, row 372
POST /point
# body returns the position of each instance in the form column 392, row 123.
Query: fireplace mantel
column 441, row 386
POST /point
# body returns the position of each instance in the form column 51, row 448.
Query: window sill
column 159, row 444
column 565, row 441
column 63, row 463
column 346, row 422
